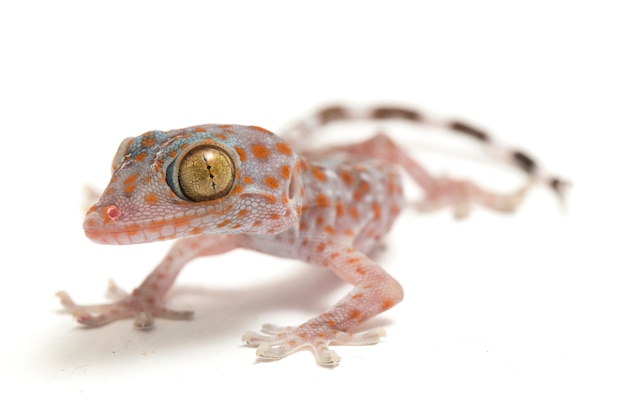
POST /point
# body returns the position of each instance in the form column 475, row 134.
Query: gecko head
column 205, row 179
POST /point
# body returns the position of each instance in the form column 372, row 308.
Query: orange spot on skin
column 140, row 157
column 270, row 198
column 237, row 189
column 271, row 182
column 392, row 187
column 340, row 210
column 131, row 179
column 331, row 323
column 257, row 223
column 318, row 174
column 355, row 314
column 322, row 200
column 283, row 148
column 241, row 153
column 321, row 247
column 360, row 270
column 130, row 189
column 357, row 195
column 196, row 231
column 334, row 255
column 353, row 260
column 354, row 213
column 387, row 304
column 185, row 145
column 260, row 129
column 285, row 172
column 151, row 198
column 357, row 296
column 147, row 142
column 242, row 213
column 260, row 151
column 376, row 210
column 247, row 180
column 320, row 220
column 224, row 223
column 200, row 130
column 365, row 187
column 285, row 199
column 220, row 136
column 346, row 177
column 330, row 230
column 173, row 154
column 275, row 216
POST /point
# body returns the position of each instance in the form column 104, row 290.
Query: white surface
column 503, row 316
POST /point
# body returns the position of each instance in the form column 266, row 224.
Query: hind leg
column 439, row 192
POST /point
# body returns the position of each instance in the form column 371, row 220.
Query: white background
column 503, row 315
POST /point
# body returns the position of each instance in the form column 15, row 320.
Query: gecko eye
column 205, row 173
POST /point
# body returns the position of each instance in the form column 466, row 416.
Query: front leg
column 374, row 292
column 147, row 301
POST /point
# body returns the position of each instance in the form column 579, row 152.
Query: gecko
column 216, row 187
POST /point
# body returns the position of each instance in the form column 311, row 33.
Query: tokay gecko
column 218, row 187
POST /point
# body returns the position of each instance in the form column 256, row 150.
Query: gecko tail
column 301, row 130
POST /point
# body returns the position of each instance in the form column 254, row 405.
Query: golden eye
column 206, row 173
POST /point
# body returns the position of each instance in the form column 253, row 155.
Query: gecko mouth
column 103, row 227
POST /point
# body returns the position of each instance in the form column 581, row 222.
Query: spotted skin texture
column 327, row 207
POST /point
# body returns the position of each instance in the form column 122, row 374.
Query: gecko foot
column 277, row 342
column 138, row 305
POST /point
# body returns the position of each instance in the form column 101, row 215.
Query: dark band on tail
column 469, row 130
column 330, row 114
column 525, row 162
column 396, row 113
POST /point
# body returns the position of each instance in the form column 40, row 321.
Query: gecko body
column 215, row 188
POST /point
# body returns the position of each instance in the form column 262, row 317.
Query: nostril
column 112, row 212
